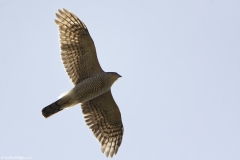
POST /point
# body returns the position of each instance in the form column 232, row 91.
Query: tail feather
column 51, row 109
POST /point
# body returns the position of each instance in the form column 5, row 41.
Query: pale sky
column 179, row 94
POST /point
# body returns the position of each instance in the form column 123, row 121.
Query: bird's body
column 91, row 84
column 84, row 91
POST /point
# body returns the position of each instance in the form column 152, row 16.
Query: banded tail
column 51, row 109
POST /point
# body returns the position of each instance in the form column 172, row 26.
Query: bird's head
column 114, row 75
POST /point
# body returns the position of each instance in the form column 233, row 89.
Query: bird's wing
column 104, row 119
column 78, row 52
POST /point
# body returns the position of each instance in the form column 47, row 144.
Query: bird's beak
column 120, row 76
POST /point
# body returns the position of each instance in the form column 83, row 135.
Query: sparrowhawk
column 91, row 84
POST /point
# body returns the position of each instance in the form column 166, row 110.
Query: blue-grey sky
column 179, row 94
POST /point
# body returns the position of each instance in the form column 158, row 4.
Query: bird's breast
column 91, row 88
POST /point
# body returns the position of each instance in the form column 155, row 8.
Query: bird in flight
column 92, row 86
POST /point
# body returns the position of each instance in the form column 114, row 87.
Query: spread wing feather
column 104, row 119
column 78, row 52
